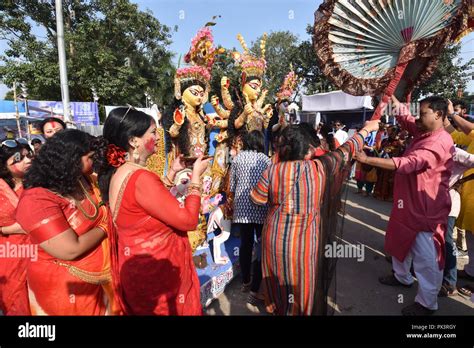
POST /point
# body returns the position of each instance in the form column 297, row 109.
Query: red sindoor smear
column 150, row 145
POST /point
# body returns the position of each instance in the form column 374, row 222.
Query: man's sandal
column 417, row 309
column 447, row 290
column 466, row 290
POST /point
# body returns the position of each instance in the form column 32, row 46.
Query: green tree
column 450, row 75
column 224, row 66
column 281, row 50
column 110, row 45
column 308, row 67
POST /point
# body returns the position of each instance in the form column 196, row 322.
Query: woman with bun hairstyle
column 303, row 195
column 152, row 261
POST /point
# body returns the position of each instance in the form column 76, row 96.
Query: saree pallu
column 57, row 287
column 153, row 268
column 13, row 289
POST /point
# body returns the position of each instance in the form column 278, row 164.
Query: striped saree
column 303, row 198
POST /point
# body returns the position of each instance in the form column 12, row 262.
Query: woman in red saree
column 15, row 159
column 152, row 261
column 61, row 212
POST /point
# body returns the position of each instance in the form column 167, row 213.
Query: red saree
column 152, row 261
column 56, row 287
column 13, row 290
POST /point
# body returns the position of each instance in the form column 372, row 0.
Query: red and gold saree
column 57, row 287
column 13, row 290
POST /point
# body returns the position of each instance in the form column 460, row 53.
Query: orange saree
column 13, row 290
column 57, row 287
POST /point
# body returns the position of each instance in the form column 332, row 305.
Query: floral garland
column 115, row 155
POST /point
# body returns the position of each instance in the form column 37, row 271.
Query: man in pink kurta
column 421, row 204
column 421, row 190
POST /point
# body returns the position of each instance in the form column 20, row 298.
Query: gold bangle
column 167, row 182
column 194, row 188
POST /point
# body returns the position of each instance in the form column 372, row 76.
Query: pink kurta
column 421, row 191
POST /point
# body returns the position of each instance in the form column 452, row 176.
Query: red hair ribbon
column 115, row 155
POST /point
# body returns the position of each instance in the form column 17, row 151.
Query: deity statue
column 283, row 100
column 253, row 115
column 187, row 125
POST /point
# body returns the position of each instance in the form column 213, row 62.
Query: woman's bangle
column 167, row 182
column 194, row 189
column 363, row 129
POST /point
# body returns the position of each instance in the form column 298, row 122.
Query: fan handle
column 399, row 70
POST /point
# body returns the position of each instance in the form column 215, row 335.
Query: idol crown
column 249, row 64
column 288, row 87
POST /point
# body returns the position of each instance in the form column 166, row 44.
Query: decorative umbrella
column 373, row 47
column 468, row 22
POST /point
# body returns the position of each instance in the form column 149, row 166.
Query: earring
column 136, row 154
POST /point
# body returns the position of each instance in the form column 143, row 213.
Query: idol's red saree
column 13, row 290
column 58, row 287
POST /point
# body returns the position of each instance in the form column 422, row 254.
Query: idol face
column 252, row 88
column 194, row 96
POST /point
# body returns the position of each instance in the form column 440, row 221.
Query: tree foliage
column 110, row 45
column 450, row 75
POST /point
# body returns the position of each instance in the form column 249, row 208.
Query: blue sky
column 251, row 18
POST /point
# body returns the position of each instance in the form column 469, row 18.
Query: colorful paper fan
column 468, row 22
column 373, row 47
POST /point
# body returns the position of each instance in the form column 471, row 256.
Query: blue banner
column 83, row 113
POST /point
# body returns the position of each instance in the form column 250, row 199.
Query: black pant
column 245, row 255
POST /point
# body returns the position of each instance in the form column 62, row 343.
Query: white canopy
column 335, row 101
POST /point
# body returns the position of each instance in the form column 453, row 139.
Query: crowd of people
column 112, row 239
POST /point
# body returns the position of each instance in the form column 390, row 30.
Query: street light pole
column 62, row 61
column 24, row 95
column 16, row 109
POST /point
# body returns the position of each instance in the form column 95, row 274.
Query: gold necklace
column 137, row 165
column 78, row 204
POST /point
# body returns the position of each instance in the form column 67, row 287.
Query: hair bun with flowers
column 116, row 156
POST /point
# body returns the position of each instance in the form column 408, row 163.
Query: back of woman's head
column 294, row 143
column 122, row 124
column 326, row 133
column 254, row 141
column 310, row 133
column 58, row 166
column 120, row 127
column 5, row 153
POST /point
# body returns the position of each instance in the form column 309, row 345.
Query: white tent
column 335, row 101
